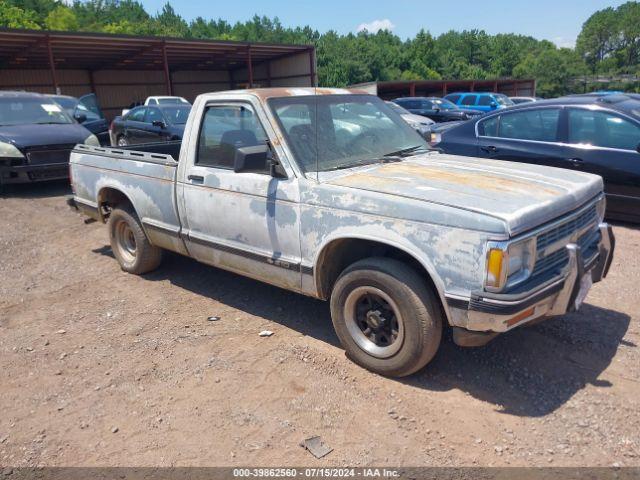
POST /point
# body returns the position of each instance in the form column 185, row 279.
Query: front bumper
column 489, row 313
column 33, row 173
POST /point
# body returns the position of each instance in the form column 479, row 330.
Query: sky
column 556, row 20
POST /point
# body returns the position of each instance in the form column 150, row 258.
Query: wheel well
column 108, row 198
column 341, row 253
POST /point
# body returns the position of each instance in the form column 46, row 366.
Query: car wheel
column 386, row 317
column 130, row 244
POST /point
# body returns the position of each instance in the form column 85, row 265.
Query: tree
column 15, row 17
column 553, row 68
column 61, row 18
column 598, row 37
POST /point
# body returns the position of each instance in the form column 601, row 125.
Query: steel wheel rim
column 374, row 321
column 126, row 241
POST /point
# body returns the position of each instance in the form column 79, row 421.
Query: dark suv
column 437, row 109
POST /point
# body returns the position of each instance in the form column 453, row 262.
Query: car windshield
column 29, row 111
column 333, row 132
column 504, row 100
column 69, row 104
column 444, row 104
column 176, row 115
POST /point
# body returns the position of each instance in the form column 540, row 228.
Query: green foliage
column 61, row 18
column 15, row 17
column 608, row 43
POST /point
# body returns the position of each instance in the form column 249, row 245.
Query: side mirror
column 493, row 104
column 158, row 123
column 251, row 159
column 436, row 109
column 258, row 159
column 80, row 117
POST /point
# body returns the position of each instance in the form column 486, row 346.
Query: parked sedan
column 437, row 109
column 597, row 135
column 86, row 111
column 150, row 124
column 36, row 138
column 420, row 124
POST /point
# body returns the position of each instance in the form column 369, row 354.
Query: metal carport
column 121, row 69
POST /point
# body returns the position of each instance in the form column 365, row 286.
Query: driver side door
column 240, row 221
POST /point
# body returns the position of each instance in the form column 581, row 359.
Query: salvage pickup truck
column 331, row 194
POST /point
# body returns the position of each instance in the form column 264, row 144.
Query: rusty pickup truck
column 329, row 193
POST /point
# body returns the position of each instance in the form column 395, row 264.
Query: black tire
column 130, row 244
column 418, row 326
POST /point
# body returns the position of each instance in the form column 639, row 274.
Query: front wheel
column 386, row 317
column 130, row 244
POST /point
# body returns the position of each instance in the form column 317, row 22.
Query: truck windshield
column 30, row 111
column 332, row 132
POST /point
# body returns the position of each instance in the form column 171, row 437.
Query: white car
column 158, row 100
column 419, row 123
column 166, row 101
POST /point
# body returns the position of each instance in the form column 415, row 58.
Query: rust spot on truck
column 388, row 175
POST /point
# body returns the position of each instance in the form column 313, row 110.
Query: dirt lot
column 104, row 368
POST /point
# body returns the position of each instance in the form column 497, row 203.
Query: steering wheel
column 358, row 141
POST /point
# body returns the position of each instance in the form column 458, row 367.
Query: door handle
column 489, row 149
column 574, row 161
column 196, row 178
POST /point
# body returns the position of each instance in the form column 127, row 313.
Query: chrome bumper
column 488, row 312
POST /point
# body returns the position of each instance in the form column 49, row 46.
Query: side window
column 224, row 130
column 427, row 105
column 540, row 125
column 137, row 114
column 485, row 100
column 153, row 114
column 602, row 129
column 489, row 127
column 410, row 104
column 469, row 100
column 453, row 98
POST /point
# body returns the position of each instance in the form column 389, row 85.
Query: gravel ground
column 102, row 368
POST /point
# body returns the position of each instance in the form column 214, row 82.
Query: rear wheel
column 386, row 317
column 130, row 244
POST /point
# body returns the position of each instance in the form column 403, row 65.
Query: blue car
column 482, row 101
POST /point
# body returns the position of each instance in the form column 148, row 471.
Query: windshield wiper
column 51, row 123
column 404, row 151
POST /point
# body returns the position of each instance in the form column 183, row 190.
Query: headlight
column 92, row 140
column 509, row 264
column 8, row 150
column 435, row 138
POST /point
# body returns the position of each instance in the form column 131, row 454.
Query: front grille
column 566, row 229
column 556, row 261
column 47, row 155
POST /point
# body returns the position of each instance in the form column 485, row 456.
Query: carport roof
column 33, row 49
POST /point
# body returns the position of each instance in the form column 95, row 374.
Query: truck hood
column 25, row 136
column 523, row 196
